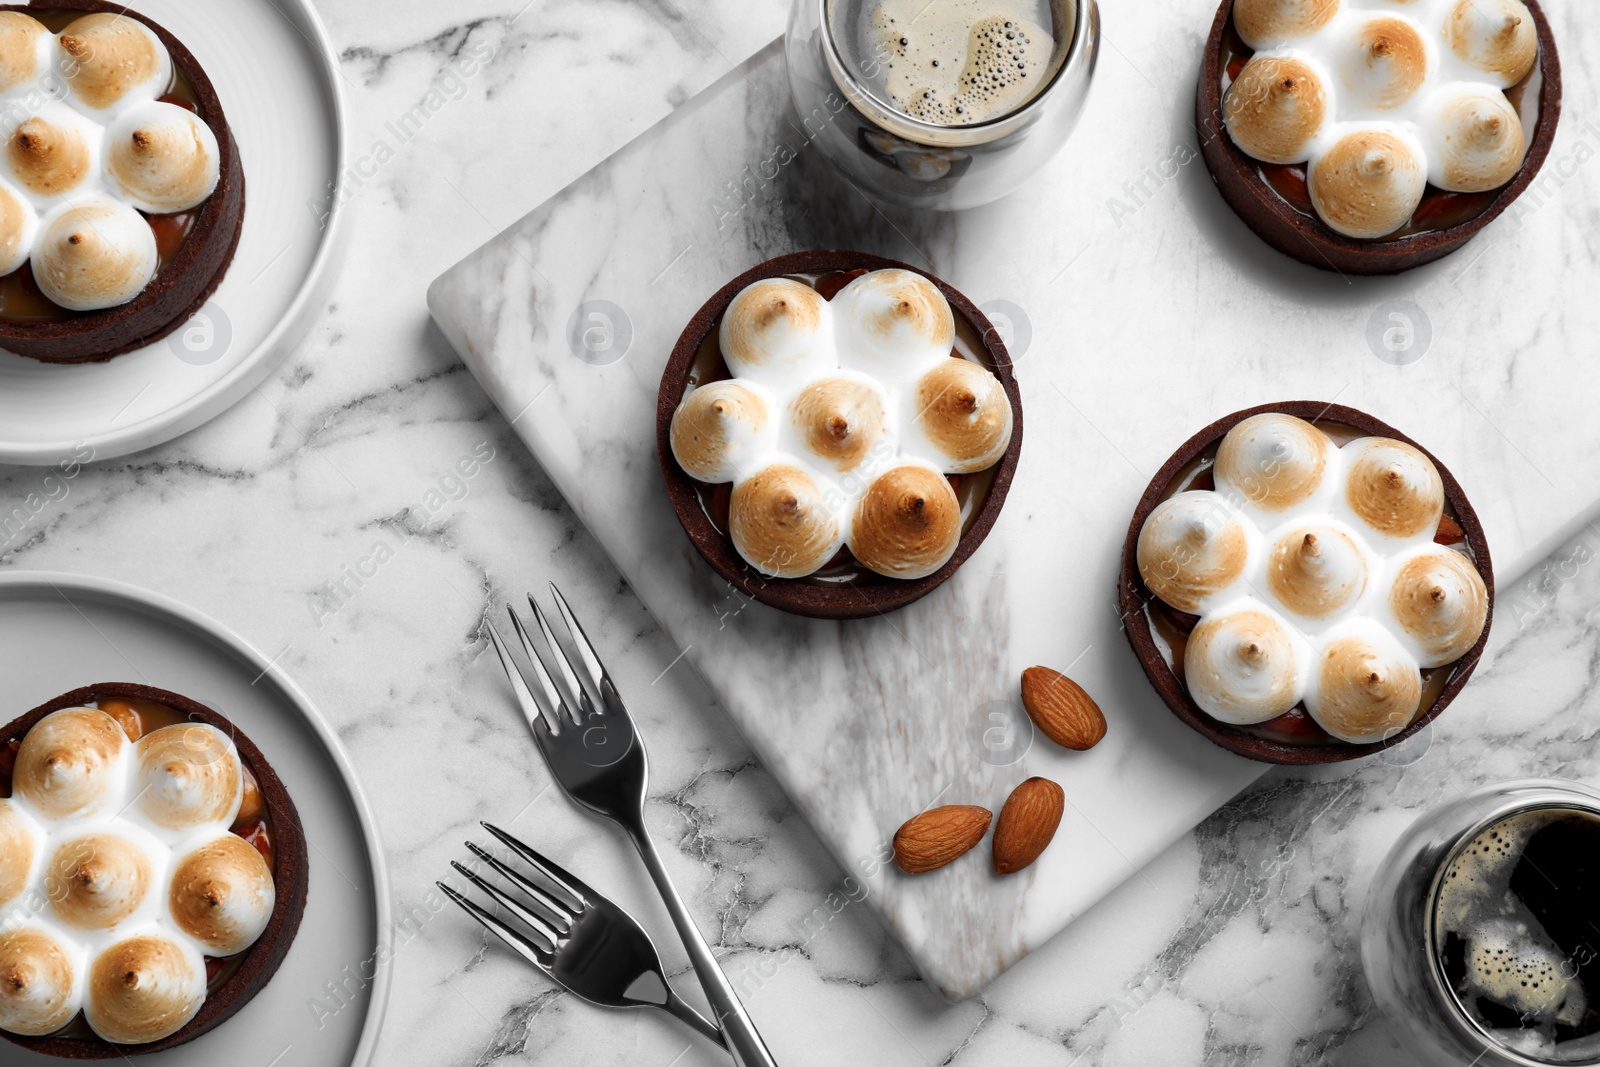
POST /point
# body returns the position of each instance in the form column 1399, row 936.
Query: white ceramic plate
column 278, row 78
column 62, row 631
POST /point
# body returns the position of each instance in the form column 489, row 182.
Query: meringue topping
column 96, row 255
column 839, row 419
column 1478, row 142
column 188, row 774
column 908, row 524
column 49, row 153
column 963, row 410
column 19, row 846
column 1386, row 63
column 1273, row 461
column 222, row 895
column 1393, row 487
column 1368, row 687
column 20, row 37
column 780, row 522
column 18, row 224
column 721, row 428
column 1369, row 183
column 1497, row 37
column 68, row 763
column 776, row 326
column 164, row 157
column 143, row 989
column 1440, row 600
column 1275, row 108
column 893, row 319
column 97, row 880
column 38, row 983
column 108, row 57
column 1262, row 22
column 1316, row 571
column 1191, row 547
column 1240, row 667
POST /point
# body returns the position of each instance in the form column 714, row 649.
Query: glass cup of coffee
column 1481, row 938
column 943, row 104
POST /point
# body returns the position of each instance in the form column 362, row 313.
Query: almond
column 1027, row 823
column 1449, row 532
column 929, row 841
column 1061, row 709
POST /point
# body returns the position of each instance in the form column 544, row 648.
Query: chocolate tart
column 182, row 286
column 257, row 964
column 819, row 597
column 1137, row 602
column 1303, row 236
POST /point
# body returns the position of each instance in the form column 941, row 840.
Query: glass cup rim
column 1548, row 794
column 901, row 124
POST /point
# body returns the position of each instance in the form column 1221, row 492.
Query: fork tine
column 532, row 710
column 538, row 923
column 534, row 954
column 561, row 709
column 560, row 912
column 570, row 883
column 563, row 664
column 591, row 659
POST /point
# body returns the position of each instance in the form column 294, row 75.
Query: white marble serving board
column 1139, row 309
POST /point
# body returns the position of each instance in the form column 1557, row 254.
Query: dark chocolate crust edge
column 290, row 876
column 800, row 597
column 183, row 285
column 1133, row 595
column 1308, row 240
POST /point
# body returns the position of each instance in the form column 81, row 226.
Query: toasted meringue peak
column 908, row 523
column 1440, row 600
column 1393, row 487
column 188, row 774
column 1191, row 547
column 19, row 846
column 964, row 412
column 143, row 989
column 20, row 36
column 1275, row 108
column 222, row 895
column 97, row 880
column 1240, row 667
column 1477, row 140
column 1369, row 183
column 1385, row 62
column 98, row 254
column 109, row 58
column 839, row 419
column 1498, row 37
column 720, row 428
column 893, row 320
column 1273, row 461
column 164, row 157
column 68, row 762
column 38, row 983
column 18, row 224
column 1261, row 22
column 49, row 153
column 776, row 327
column 1316, row 571
column 1368, row 687
column 780, row 522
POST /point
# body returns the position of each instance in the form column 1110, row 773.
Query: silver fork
column 583, row 942
column 596, row 755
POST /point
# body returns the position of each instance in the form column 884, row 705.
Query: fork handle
column 739, row 1034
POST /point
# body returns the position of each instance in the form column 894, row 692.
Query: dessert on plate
column 1372, row 136
column 837, row 432
column 121, row 191
column 1303, row 584
column 152, row 872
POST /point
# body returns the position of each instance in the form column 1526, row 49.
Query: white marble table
column 1235, row 947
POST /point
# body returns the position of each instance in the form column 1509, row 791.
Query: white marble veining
column 1234, row 947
